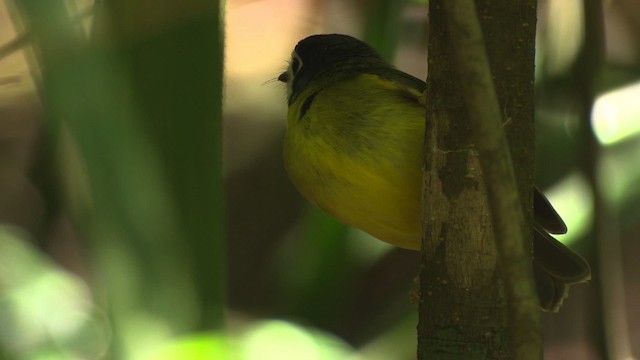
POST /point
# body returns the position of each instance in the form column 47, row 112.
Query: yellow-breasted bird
column 354, row 147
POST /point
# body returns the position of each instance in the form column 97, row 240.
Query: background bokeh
column 118, row 242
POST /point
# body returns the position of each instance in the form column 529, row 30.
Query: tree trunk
column 463, row 309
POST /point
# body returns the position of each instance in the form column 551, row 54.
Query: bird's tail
column 555, row 266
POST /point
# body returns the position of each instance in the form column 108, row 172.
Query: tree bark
column 463, row 308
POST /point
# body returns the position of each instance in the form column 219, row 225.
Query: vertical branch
column 611, row 327
column 463, row 311
column 462, row 303
column 495, row 159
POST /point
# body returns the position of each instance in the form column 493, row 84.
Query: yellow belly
column 361, row 161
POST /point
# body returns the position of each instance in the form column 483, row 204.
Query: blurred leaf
column 280, row 340
column 44, row 309
column 151, row 152
column 615, row 115
column 204, row 346
column 382, row 26
column 321, row 258
column 176, row 56
column 564, row 35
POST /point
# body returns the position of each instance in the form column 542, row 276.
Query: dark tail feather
column 545, row 215
column 555, row 266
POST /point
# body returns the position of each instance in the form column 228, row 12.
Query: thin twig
column 23, row 39
column 14, row 45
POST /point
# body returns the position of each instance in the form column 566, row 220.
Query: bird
column 354, row 143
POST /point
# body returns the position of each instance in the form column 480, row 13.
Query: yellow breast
column 355, row 150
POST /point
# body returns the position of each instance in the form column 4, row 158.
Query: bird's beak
column 284, row 77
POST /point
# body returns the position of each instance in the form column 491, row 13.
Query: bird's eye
column 295, row 65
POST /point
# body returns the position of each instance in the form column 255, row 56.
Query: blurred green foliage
column 139, row 100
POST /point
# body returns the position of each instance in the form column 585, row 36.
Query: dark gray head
column 328, row 58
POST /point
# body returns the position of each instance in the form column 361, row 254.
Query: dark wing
column 555, row 266
column 412, row 86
